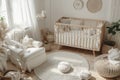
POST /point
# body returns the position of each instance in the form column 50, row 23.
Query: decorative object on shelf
column 94, row 5
column 78, row 4
column 64, row 67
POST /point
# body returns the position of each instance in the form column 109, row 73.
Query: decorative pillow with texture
column 64, row 67
column 27, row 42
column 37, row 44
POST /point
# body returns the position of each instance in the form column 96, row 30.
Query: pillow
column 16, row 34
column 37, row 44
column 27, row 42
column 14, row 43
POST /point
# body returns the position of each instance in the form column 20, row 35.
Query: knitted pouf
column 107, row 70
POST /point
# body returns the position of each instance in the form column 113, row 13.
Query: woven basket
column 107, row 70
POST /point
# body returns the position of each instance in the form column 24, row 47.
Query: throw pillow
column 27, row 42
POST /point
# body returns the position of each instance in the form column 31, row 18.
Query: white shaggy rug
column 49, row 71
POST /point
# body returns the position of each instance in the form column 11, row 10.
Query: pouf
column 106, row 69
column 64, row 67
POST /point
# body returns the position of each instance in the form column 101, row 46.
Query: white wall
column 39, row 6
column 58, row 8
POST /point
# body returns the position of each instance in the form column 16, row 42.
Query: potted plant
column 112, row 30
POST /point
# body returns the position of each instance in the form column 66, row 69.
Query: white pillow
column 16, row 34
column 27, row 42
column 64, row 67
column 37, row 44
column 85, row 75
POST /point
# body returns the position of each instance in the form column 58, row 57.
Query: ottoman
column 106, row 69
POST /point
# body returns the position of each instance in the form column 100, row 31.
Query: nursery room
column 59, row 39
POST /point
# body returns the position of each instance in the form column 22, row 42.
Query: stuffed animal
column 29, row 42
column 64, row 67
column 84, row 75
column 114, row 55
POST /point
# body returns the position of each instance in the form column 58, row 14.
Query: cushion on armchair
column 30, row 52
column 29, row 42
column 16, row 34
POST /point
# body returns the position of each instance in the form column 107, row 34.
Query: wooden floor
column 86, row 53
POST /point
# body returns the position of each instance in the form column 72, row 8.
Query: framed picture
column 94, row 5
column 78, row 4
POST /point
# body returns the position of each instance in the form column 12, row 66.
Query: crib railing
column 80, row 36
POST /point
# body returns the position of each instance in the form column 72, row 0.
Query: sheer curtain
column 21, row 13
column 115, row 16
column 115, row 10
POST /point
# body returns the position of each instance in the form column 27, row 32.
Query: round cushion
column 114, row 54
column 106, row 69
column 64, row 67
column 85, row 75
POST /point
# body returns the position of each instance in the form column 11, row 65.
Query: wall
column 39, row 6
column 58, row 8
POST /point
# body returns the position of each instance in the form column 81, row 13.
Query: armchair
column 28, row 51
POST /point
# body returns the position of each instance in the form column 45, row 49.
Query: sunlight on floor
column 68, row 59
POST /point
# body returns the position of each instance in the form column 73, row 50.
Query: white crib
column 80, row 33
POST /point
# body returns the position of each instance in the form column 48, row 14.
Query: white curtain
column 21, row 13
column 115, row 10
column 115, row 16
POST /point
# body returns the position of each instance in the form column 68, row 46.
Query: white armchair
column 28, row 51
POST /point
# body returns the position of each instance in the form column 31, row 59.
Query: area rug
column 48, row 70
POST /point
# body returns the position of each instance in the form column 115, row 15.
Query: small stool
column 106, row 69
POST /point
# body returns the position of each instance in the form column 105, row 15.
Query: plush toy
column 85, row 75
column 64, row 67
column 29, row 42
column 114, row 56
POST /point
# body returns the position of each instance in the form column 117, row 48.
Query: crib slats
column 83, row 37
